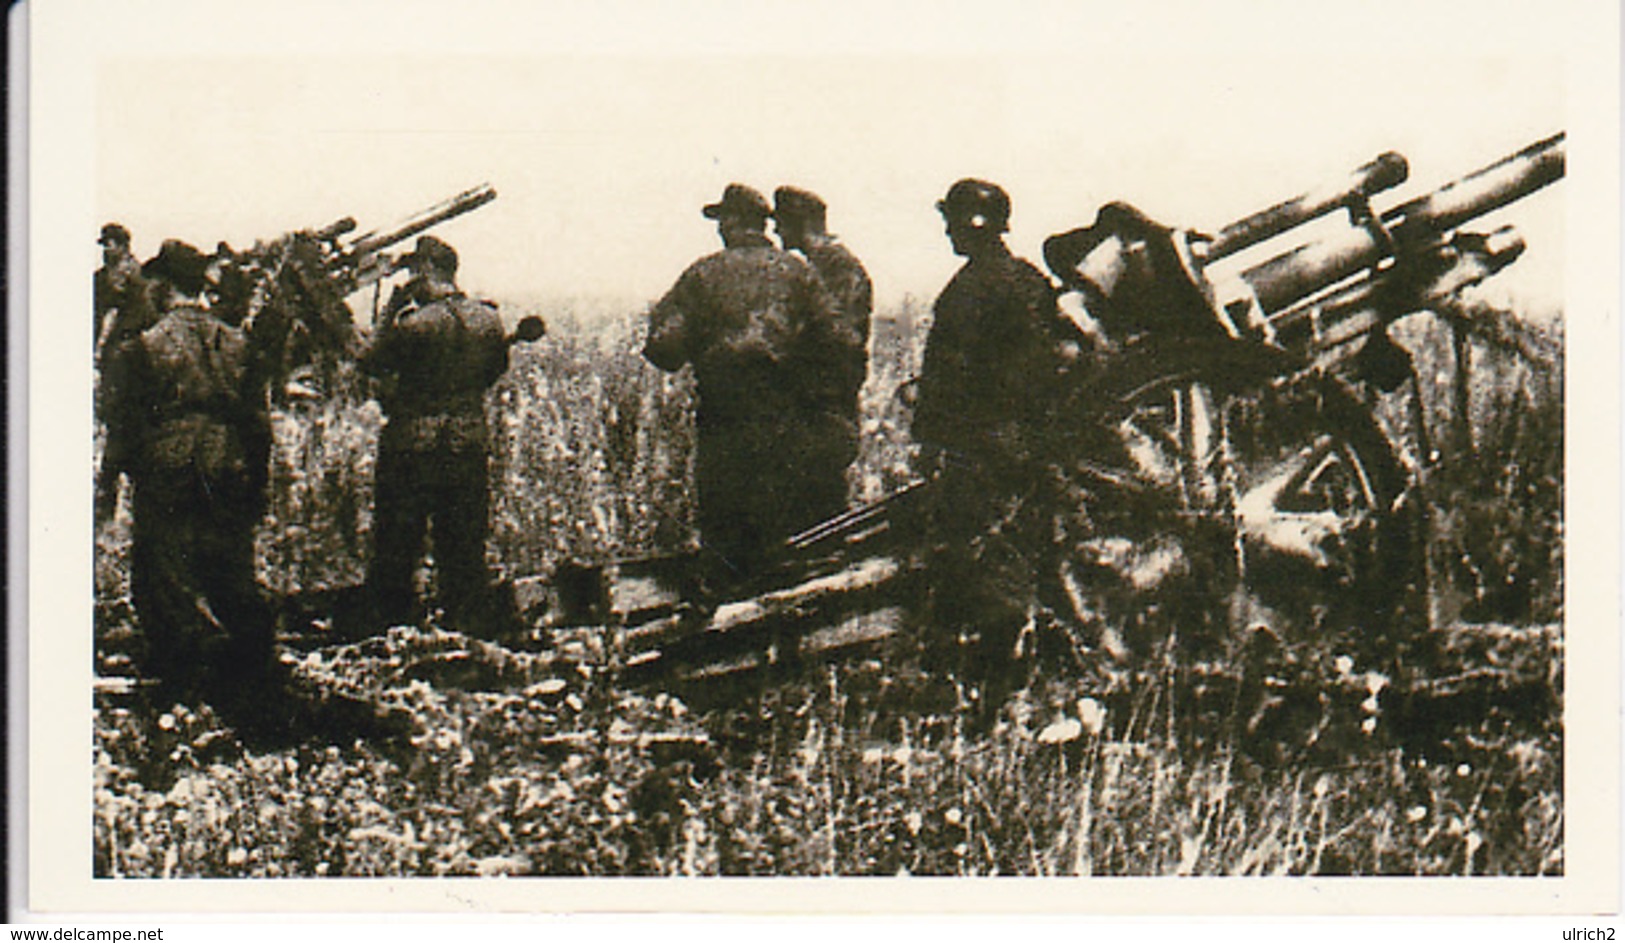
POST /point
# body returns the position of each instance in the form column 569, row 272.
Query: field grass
column 544, row 761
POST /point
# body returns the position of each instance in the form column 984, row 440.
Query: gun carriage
column 1245, row 484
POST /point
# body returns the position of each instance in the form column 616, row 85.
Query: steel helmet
column 977, row 204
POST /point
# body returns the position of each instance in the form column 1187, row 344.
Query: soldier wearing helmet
column 984, row 414
column 754, row 322
column 983, row 392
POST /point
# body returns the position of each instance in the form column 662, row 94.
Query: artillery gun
column 298, row 283
column 1248, row 486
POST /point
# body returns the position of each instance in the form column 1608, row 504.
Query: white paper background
column 605, row 127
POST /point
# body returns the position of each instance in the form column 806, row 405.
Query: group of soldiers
column 187, row 361
column 776, row 336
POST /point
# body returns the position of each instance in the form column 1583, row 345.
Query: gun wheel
column 1231, row 516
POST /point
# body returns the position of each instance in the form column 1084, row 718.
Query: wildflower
column 1092, row 713
column 1416, row 813
column 1464, row 770
column 1344, row 665
column 166, row 722
column 1064, row 730
column 914, row 821
column 953, row 816
column 237, row 857
column 1368, row 726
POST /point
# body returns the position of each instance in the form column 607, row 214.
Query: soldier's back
column 193, row 403
column 987, row 358
column 196, row 361
column 444, row 354
column 744, row 305
column 847, row 281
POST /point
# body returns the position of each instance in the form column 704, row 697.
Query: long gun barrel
column 361, row 262
column 1386, row 171
column 1284, row 280
column 467, row 201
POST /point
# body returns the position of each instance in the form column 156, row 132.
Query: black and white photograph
column 472, row 446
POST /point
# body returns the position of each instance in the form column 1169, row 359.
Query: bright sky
column 603, row 151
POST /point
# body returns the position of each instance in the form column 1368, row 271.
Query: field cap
column 433, row 252
column 114, row 235
column 794, row 203
column 179, row 263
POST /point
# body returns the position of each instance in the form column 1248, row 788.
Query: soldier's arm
column 838, row 339
column 860, row 295
column 381, row 356
column 496, row 356
column 667, row 344
column 857, row 316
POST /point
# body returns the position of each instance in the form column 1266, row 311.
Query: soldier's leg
column 460, row 521
column 815, row 472
column 978, row 589
column 730, row 495
column 399, row 522
column 242, row 656
column 163, row 589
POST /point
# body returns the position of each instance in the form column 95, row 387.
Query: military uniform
column 986, row 413
column 193, row 422
column 758, row 328
column 990, row 368
column 846, row 363
column 435, row 360
column 124, row 308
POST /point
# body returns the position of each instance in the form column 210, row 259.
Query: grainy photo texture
column 882, row 470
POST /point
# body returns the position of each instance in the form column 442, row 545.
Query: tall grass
column 545, row 763
column 849, row 770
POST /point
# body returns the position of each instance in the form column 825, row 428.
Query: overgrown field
column 540, row 759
